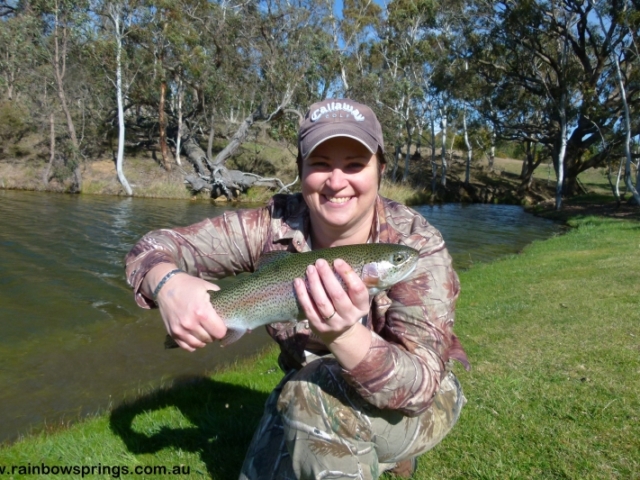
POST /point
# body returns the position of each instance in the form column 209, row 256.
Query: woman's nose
column 337, row 179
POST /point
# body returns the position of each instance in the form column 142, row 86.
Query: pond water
column 73, row 341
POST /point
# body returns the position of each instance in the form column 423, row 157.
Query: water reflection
column 483, row 232
column 72, row 340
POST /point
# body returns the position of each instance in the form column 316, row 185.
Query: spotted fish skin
column 268, row 295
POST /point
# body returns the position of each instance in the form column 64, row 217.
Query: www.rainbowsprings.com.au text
column 115, row 471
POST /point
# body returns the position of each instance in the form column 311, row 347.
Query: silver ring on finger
column 330, row 316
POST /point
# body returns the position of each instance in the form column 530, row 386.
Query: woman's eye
column 355, row 166
column 319, row 165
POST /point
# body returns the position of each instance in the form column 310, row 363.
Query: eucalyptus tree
column 403, row 45
column 449, row 83
column 350, row 32
column 119, row 15
column 61, row 24
column 556, row 53
column 18, row 51
column 271, row 62
column 159, row 29
column 25, row 77
column 622, row 81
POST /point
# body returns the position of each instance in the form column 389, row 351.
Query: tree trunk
column 60, row 63
column 492, row 151
column 529, row 165
column 559, row 161
column 627, row 134
column 527, row 160
column 407, row 156
column 52, row 148
column 627, row 122
column 443, row 153
column 614, row 187
column 616, row 192
column 237, row 140
column 195, row 154
column 115, row 17
column 179, row 134
column 467, row 172
column 210, row 142
column 162, row 122
column 434, row 165
column 419, row 140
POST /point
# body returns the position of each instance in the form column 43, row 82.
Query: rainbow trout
column 268, row 296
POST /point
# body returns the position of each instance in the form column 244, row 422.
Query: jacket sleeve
column 211, row 249
column 413, row 331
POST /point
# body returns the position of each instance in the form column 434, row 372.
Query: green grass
column 553, row 335
column 554, row 338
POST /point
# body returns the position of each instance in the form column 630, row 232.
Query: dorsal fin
column 270, row 257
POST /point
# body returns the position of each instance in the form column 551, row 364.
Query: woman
column 368, row 385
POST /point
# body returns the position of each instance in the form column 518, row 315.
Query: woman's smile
column 337, row 200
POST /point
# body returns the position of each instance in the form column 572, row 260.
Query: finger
column 356, row 289
column 355, row 301
column 184, row 345
column 305, row 301
column 317, row 289
column 210, row 324
column 187, row 341
column 189, row 331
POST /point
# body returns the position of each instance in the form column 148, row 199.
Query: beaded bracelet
column 164, row 280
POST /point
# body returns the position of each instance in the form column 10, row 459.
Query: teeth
column 338, row 199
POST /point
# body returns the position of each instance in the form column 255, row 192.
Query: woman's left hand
column 333, row 313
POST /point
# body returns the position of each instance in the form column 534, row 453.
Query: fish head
column 393, row 264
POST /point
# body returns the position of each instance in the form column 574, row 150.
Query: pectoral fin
column 232, row 335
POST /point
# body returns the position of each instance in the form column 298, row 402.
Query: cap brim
column 324, row 132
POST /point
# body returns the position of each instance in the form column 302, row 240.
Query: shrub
column 14, row 121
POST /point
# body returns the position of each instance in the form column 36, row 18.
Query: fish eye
column 399, row 257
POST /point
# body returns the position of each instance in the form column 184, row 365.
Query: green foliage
column 412, row 61
column 68, row 159
column 14, row 121
column 510, row 149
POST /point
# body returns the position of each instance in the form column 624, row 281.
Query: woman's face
column 340, row 184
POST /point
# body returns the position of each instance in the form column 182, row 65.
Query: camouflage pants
column 316, row 426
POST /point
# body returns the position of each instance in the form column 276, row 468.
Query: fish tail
column 169, row 342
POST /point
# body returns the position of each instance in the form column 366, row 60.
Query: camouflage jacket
column 412, row 323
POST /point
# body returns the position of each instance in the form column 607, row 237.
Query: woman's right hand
column 186, row 308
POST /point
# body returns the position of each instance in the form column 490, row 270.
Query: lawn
column 553, row 335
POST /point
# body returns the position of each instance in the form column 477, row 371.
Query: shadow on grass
column 222, row 420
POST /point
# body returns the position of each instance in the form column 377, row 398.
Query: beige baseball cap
column 339, row 118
